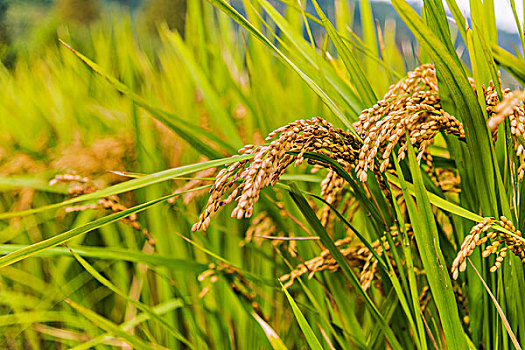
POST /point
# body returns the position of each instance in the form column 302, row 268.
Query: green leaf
column 498, row 307
column 461, row 21
column 192, row 134
column 426, row 235
column 321, row 70
column 271, row 334
column 518, row 24
column 210, row 97
column 512, row 64
column 8, row 183
column 110, row 327
column 461, row 101
column 357, row 187
column 412, row 281
column 160, row 309
column 357, row 76
column 371, row 43
column 133, row 184
column 311, row 339
column 114, row 253
column 438, row 201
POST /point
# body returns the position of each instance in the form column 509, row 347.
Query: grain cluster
column 499, row 242
column 79, row 185
column 243, row 181
column 511, row 107
column 411, row 108
column 410, row 112
column 357, row 255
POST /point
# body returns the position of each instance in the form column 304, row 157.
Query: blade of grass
column 461, row 101
column 114, row 253
column 191, row 134
column 33, row 249
column 39, row 184
column 237, row 17
column 406, row 244
column 461, row 21
column 358, row 338
column 371, row 44
column 160, row 309
column 358, row 77
column 438, row 201
column 514, row 65
column 518, row 24
column 273, row 337
column 309, row 334
column 379, row 221
column 210, row 96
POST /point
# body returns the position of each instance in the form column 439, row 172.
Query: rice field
column 279, row 174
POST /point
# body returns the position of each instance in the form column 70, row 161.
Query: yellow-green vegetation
column 376, row 196
column 81, row 11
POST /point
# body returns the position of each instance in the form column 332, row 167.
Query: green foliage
column 158, row 108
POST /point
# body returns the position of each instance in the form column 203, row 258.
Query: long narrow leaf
column 237, row 17
column 131, row 185
column 311, row 339
column 425, row 233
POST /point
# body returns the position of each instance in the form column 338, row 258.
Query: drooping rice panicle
column 357, row 254
column 500, row 243
column 243, row 181
column 411, row 107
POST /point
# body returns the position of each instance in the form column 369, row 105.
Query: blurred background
column 27, row 26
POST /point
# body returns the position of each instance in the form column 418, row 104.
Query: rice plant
column 372, row 199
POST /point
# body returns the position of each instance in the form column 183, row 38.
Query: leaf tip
column 66, row 45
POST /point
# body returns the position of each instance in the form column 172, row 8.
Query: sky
column 504, row 16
